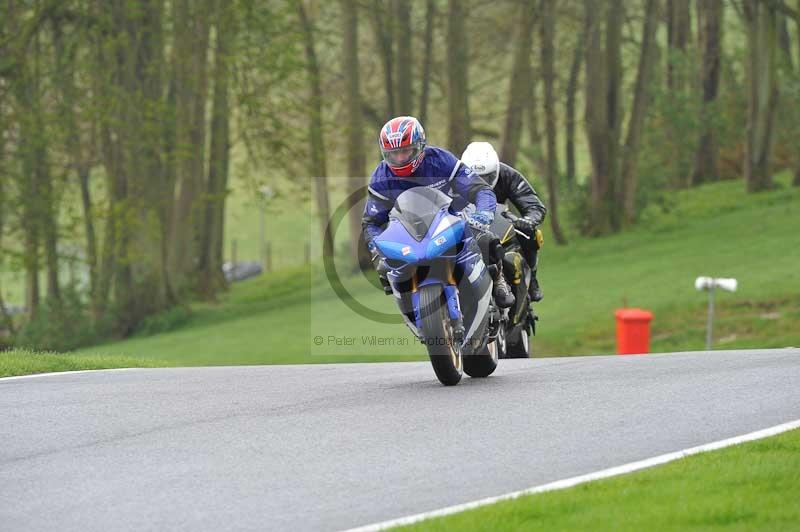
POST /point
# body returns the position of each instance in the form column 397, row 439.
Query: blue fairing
column 395, row 242
column 445, row 240
column 397, row 250
column 446, row 254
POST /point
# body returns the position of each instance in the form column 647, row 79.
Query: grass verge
column 22, row 362
column 752, row 486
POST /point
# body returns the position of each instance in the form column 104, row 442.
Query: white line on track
column 573, row 481
column 54, row 373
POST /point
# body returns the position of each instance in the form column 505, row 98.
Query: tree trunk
column 210, row 277
column 191, row 45
column 29, row 151
column 49, row 226
column 430, row 15
column 627, row 190
column 602, row 113
column 64, row 80
column 796, row 181
column 403, row 38
column 678, row 21
column 678, row 33
column 38, row 168
column 614, row 115
column 7, row 321
column 111, row 248
column 121, row 138
column 318, row 166
column 356, row 158
column 132, row 135
column 381, row 27
column 31, row 262
column 785, row 42
column 169, row 136
column 79, row 154
column 595, row 120
column 105, row 72
column 151, row 195
column 709, row 35
column 519, row 86
column 91, row 239
column 572, row 89
column 535, row 154
column 761, row 20
column 547, row 28
column 3, row 176
column 40, row 178
column 457, row 89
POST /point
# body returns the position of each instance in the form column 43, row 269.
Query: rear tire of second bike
column 519, row 345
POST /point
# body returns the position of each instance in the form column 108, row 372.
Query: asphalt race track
column 338, row 446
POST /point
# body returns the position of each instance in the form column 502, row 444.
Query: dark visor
column 402, row 156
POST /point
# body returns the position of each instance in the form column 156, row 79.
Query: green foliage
column 62, row 327
column 576, row 203
column 165, row 321
column 671, row 136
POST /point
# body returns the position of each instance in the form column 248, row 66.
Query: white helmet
column 481, row 157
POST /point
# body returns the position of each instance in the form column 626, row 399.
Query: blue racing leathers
column 441, row 170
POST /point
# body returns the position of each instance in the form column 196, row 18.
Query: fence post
column 308, row 252
column 710, row 323
column 233, row 252
column 268, row 248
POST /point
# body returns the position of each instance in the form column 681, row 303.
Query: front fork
column 451, row 296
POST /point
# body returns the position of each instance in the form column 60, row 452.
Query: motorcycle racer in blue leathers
column 409, row 162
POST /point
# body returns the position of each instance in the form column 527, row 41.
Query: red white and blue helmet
column 402, row 144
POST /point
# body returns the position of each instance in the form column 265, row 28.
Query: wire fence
column 272, row 255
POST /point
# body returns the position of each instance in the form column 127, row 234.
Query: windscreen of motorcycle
column 416, row 208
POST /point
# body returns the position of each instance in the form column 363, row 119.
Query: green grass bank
column 752, row 486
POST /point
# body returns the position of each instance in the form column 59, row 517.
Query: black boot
column 385, row 284
column 534, row 290
column 502, row 292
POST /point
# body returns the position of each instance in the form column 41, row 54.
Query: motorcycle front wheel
column 437, row 334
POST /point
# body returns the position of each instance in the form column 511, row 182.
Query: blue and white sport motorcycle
column 441, row 284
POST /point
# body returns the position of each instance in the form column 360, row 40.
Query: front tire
column 437, row 332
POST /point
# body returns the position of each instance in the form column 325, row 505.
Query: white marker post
column 265, row 194
column 711, row 284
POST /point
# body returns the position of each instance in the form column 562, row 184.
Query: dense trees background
column 121, row 120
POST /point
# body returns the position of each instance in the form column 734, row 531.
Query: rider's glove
column 380, row 266
column 481, row 218
column 526, row 224
column 378, row 262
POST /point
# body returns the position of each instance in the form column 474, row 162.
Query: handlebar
column 510, row 216
column 513, row 218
